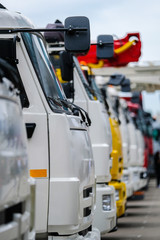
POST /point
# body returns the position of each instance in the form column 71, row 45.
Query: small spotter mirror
column 105, row 46
column 77, row 40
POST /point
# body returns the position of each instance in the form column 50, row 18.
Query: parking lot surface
column 142, row 218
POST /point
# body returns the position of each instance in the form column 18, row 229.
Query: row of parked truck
column 68, row 176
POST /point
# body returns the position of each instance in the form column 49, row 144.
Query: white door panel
column 38, row 142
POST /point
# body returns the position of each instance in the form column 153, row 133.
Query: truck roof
column 9, row 20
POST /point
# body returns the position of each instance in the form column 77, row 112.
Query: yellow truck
column 117, row 167
column 116, row 154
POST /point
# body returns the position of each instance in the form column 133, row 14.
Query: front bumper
column 135, row 178
column 143, row 178
column 105, row 221
column 129, row 189
column 92, row 235
column 127, row 179
column 121, row 203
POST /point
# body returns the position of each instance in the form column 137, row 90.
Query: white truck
column 16, row 213
column 59, row 146
column 121, row 114
column 100, row 134
column 127, row 174
column 136, row 140
column 131, row 175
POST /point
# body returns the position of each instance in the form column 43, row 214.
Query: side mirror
column 116, row 79
column 66, row 65
column 105, row 46
column 125, row 86
column 77, row 41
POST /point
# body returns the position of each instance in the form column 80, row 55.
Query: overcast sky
column 106, row 17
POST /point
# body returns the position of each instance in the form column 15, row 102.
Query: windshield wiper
column 55, row 101
column 74, row 108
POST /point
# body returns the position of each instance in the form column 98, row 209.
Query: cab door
column 35, row 117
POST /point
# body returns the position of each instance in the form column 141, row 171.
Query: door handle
column 30, row 127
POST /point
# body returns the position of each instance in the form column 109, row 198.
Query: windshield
column 44, row 70
column 83, row 79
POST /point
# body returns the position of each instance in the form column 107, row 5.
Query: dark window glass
column 44, row 70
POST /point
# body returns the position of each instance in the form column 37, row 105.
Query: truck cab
column 100, row 134
column 136, row 144
column 136, row 110
column 127, row 176
column 60, row 153
column 16, row 212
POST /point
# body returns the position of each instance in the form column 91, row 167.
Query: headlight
column 117, row 195
column 143, row 175
column 106, row 202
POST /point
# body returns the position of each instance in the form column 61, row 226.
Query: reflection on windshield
column 44, row 69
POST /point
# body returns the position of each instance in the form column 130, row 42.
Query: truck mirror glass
column 105, row 46
column 77, row 41
column 66, row 65
column 68, row 90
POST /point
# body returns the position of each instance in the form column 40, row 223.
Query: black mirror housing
column 116, row 79
column 77, row 41
column 105, row 46
column 66, row 65
column 126, row 85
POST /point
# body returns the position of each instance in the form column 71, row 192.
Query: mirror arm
column 101, row 44
column 69, row 30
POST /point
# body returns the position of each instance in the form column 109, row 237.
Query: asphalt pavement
column 142, row 218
